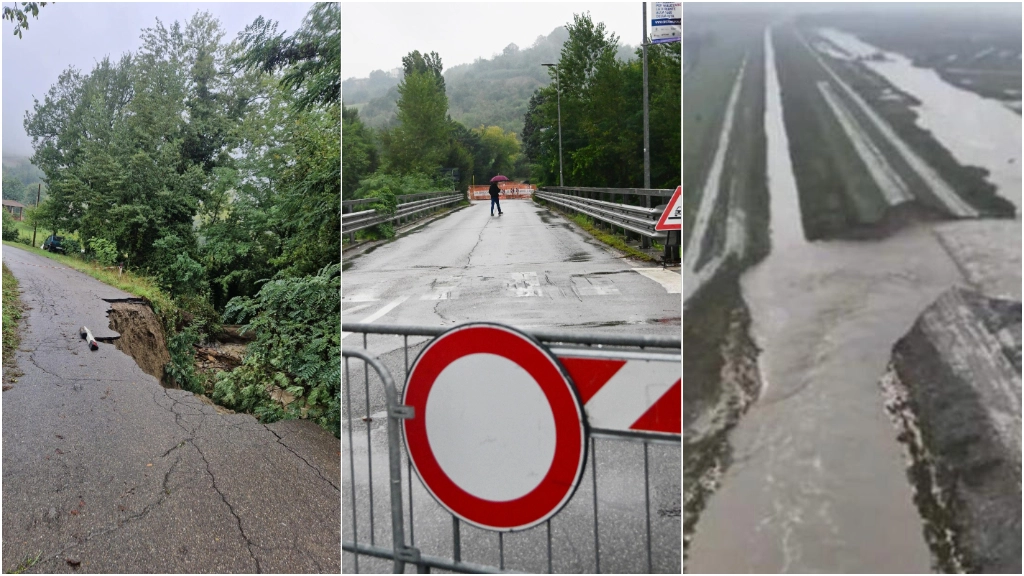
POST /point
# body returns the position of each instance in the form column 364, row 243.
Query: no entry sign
column 498, row 434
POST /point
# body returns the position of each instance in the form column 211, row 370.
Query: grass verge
column 617, row 242
column 12, row 310
column 26, row 564
column 141, row 286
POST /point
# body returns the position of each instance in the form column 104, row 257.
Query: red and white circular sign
column 498, row 434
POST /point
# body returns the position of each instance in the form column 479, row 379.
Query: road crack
column 308, row 463
column 479, row 238
column 248, row 544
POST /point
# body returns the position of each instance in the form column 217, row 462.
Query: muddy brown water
column 978, row 131
column 818, row 481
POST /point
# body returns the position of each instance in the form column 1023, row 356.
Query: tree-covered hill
column 491, row 92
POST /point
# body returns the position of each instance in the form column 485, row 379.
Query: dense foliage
column 490, row 91
column 602, row 114
column 213, row 167
column 430, row 127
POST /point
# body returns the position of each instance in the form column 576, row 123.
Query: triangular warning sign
column 672, row 218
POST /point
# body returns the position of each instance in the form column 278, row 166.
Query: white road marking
column 355, row 308
column 671, row 281
column 630, row 392
column 595, row 287
column 387, row 308
column 361, row 297
column 525, row 284
column 444, row 289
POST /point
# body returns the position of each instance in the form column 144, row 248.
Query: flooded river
column 978, row 131
column 818, row 481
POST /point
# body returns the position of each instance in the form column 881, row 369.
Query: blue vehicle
column 54, row 243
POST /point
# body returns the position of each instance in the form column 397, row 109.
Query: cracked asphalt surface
column 105, row 470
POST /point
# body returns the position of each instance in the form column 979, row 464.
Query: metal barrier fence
column 408, row 206
column 570, row 349
column 636, row 214
column 639, row 219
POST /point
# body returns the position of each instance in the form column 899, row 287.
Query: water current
column 818, row 480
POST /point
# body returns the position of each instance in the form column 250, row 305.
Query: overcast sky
column 81, row 34
column 375, row 36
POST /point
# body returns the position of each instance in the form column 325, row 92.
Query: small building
column 15, row 208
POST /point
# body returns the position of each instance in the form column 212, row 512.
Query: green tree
column 359, row 154
column 499, row 151
column 429, row 64
column 20, row 15
column 602, row 114
column 311, row 57
column 420, row 141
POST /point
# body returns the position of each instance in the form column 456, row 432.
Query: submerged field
column 862, row 164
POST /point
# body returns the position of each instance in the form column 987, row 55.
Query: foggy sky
column 375, row 36
column 81, row 34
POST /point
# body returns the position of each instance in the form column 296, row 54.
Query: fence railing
column 566, row 553
column 410, row 205
column 636, row 218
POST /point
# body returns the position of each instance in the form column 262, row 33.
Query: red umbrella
column 499, row 178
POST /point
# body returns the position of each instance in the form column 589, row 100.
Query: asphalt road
column 529, row 268
column 104, row 470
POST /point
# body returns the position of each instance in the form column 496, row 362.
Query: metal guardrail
column 562, row 345
column 408, row 205
column 637, row 219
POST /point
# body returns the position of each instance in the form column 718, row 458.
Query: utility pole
column 647, row 149
column 39, row 190
column 558, row 90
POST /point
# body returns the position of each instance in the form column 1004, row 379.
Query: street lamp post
column 558, row 91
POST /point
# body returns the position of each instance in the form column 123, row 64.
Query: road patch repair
column 953, row 390
column 105, row 470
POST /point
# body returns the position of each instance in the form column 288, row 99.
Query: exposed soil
column 141, row 336
column 217, row 356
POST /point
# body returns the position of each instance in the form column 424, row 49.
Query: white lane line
column 355, row 308
column 387, row 308
column 361, row 297
column 671, row 281
column 710, row 193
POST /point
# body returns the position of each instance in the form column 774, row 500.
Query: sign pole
column 39, row 190
column 647, row 149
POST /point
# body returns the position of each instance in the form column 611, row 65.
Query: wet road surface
column 531, row 269
column 105, row 467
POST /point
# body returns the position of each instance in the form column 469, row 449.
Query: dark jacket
column 494, row 190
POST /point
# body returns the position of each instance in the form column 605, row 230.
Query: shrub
column 103, row 250
column 181, row 370
column 10, row 233
column 298, row 338
column 71, row 246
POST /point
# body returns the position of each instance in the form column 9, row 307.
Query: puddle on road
column 141, row 336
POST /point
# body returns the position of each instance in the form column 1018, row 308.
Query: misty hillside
column 494, row 92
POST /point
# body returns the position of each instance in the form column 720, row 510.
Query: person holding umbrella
column 494, row 190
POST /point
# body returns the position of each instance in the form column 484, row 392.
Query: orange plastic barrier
column 509, row 190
